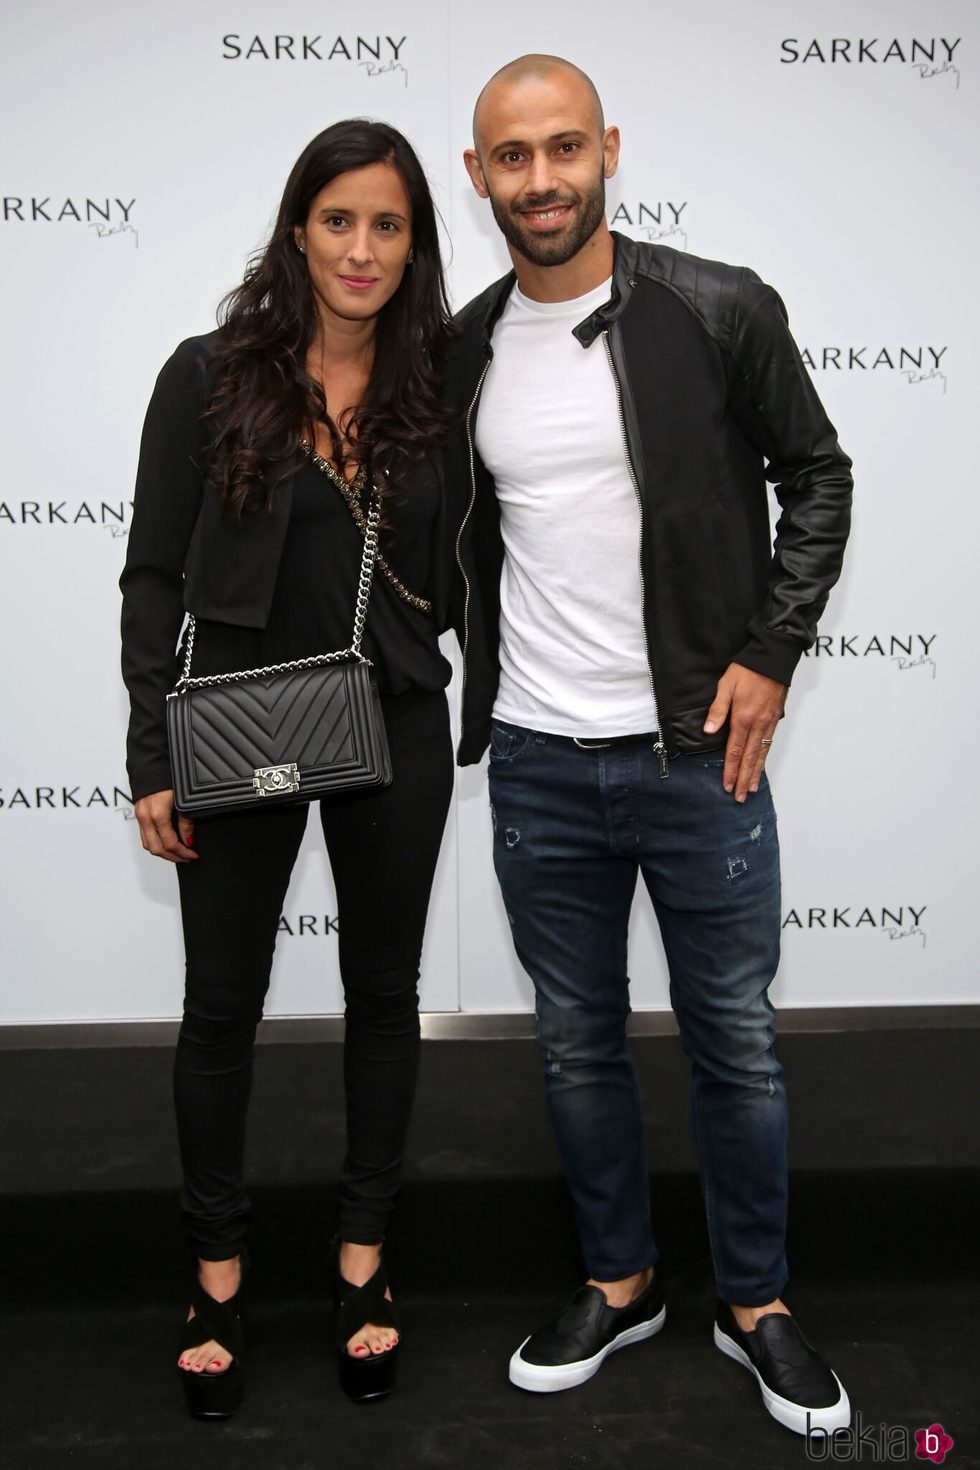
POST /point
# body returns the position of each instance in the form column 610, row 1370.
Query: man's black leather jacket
column 715, row 401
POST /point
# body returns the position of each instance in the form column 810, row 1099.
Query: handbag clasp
column 275, row 780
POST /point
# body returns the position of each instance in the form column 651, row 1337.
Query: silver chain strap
column 368, row 559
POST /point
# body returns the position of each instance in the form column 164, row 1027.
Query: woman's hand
column 155, row 815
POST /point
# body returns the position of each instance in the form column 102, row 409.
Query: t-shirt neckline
column 576, row 306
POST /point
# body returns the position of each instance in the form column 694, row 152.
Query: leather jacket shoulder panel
column 716, row 294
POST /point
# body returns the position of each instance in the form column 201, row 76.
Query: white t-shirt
column 572, row 654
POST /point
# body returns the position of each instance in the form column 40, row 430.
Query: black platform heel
column 373, row 1376
column 215, row 1395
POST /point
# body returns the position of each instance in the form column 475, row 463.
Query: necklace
column 350, row 490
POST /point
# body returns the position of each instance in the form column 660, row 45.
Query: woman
column 261, row 443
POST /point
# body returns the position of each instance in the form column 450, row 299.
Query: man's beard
column 553, row 249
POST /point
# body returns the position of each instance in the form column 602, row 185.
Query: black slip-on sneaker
column 570, row 1349
column 798, row 1389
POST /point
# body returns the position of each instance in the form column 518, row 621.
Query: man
column 630, row 633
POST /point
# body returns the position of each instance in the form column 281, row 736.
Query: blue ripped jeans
column 572, row 829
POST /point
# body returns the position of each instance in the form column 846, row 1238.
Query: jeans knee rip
column 736, row 867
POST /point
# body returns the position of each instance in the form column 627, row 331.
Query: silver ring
column 766, row 742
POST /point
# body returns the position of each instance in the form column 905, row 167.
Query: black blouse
column 316, row 590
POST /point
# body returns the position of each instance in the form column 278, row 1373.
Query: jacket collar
column 623, row 279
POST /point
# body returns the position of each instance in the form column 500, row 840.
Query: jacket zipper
column 459, row 538
column 659, row 749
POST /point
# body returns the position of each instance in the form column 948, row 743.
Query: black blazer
column 186, row 555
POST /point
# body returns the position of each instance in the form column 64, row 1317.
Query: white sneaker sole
column 541, row 1379
column 793, row 1416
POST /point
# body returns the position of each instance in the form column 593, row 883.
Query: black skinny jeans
column 383, row 847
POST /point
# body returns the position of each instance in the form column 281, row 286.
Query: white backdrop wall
column 828, row 145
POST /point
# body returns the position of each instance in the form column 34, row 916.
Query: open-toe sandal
column 372, row 1375
column 214, row 1395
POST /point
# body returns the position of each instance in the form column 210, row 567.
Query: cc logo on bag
column 275, row 780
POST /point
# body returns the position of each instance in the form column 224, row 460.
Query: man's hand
column 155, row 815
column 753, row 704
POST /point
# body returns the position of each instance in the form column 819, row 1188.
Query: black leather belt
column 650, row 738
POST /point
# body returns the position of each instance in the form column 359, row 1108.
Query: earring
column 300, row 248
column 411, row 258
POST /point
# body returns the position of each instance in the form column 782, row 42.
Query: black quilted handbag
column 288, row 733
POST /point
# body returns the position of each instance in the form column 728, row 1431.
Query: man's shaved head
column 538, row 68
column 542, row 155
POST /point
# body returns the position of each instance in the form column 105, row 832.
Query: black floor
column 92, row 1389
column 882, row 1247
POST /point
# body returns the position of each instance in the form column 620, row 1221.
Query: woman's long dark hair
column 264, row 401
